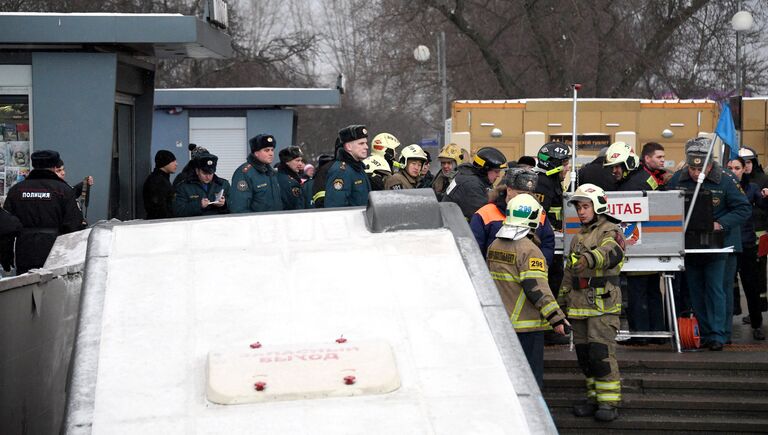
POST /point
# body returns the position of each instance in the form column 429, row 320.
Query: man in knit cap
column 158, row 191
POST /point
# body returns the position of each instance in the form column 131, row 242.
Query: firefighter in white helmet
column 411, row 160
column 450, row 157
column 519, row 270
column 385, row 144
column 593, row 297
column 378, row 170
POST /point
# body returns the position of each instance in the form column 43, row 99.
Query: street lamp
column 741, row 22
column 421, row 54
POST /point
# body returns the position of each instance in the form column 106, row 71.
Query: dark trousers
column 645, row 311
column 533, row 346
column 748, row 266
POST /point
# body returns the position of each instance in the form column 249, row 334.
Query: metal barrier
column 653, row 227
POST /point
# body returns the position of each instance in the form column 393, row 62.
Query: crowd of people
column 514, row 209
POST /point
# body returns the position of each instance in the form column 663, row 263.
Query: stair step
column 665, row 383
column 567, row 423
column 673, row 402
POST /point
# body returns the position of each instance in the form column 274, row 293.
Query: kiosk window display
column 15, row 141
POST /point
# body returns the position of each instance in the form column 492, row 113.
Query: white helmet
column 376, row 164
column 594, row 194
column 383, row 142
column 621, row 153
column 524, row 213
column 412, row 152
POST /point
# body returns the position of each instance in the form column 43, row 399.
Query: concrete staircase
column 692, row 392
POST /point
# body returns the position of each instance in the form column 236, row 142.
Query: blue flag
column 726, row 130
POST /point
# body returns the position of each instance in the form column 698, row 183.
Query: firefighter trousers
column 595, row 340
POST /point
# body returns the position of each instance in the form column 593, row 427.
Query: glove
column 581, row 264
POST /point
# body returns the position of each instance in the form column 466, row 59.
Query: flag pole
column 699, row 182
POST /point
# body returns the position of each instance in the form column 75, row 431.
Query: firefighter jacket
column 441, row 182
column 190, row 193
column 377, row 181
column 290, row 188
column 520, row 272
column 594, row 291
column 549, row 193
column 642, row 179
column 317, row 192
column 729, row 204
column 468, row 189
column 346, row 184
column 400, row 180
column 595, row 173
column 254, row 188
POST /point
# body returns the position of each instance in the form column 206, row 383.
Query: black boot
column 606, row 412
column 584, row 408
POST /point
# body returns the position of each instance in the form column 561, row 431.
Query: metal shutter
column 224, row 137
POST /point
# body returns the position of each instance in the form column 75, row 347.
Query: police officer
column 520, row 271
column 346, row 184
column 291, row 161
column 706, row 273
column 378, row 171
column 593, row 297
column 553, row 165
column 255, row 185
column 46, row 207
column 469, row 189
column 188, row 171
column 411, row 160
column 645, row 311
column 450, row 157
column 203, row 193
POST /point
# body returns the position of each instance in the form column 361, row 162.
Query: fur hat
column 262, row 141
column 45, row 159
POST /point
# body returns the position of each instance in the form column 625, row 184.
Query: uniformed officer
column 553, row 165
column 314, row 188
column 291, row 161
column 255, row 185
column 346, row 183
column 705, row 273
column 645, row 310
column 519, row 270
column 46, row 207
column 411, row 160
column 469, row 189
column 203, row 193
column 450, row 157
column 378, row 170
column 385, row 145
column 591, row 289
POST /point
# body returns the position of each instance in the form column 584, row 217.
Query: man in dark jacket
column 552, row 166
column 157, row 190
column 255, row 185
column 203, row 194
column 469, row 188
column 596, row 173
column 291, row 161
column 346, row 184
column 46, row 207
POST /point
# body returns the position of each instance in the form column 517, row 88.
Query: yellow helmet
column 621, row 153
column 383, row 142
column 595, row 194
column 376, row 164
column 451, row 152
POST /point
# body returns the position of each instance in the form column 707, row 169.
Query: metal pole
column 443, row 85
column 576, row 88
column 738, row 63
column 702, row 176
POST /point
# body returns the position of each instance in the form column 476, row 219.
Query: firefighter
column 203, row 193
column 520, row 272
column 469, row 189
column 255, row 185
column 378, row 171
column 46, row 207
column 426, row 179
column 411, row 160
column 450, row 157
column 314, row 189
column 346, row 184
column 553, row 165
column 591, row 290
column 596, row 173
column 291, row 161
column 645, row 311
column 385, row 145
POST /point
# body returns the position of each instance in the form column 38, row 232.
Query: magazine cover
column 17, row 154
column 11, row 178
column 9, row 131
column 3, row 148
column 22, row 132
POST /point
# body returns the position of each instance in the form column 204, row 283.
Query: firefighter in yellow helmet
column 411, row 160
column 593, row 299
column 450, row 158
column 385, row 144
column 519, row 270
column 378, row 170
